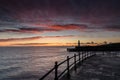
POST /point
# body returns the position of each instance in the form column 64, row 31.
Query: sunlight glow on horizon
column 55, row 42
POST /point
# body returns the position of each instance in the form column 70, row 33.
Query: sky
column 58, row 22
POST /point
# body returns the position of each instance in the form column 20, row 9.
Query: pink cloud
column 69, row 27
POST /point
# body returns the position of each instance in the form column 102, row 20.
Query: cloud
column 28, row 29
column 69, row 27
column 38, row 44
column 19, row 39
column 34, row 38
column 51, row 11
column 31, row 44
column 60, row 27
column 64, row 36
column 112, row 28
column 35, row 29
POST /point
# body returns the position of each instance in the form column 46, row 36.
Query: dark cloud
column 33, row 10
column 59, row 14
column 62, row 27
column 112, row 28
column 27, row 29
column 35, row 29
column 19, row 39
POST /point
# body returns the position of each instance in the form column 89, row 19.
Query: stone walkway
column 99, row 67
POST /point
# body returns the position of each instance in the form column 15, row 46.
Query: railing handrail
column 55, row 68
column 47, row 73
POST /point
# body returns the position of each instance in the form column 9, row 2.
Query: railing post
column 82, row 56
column 103, row 52
column 75, row 61
column 79, row 56
column 85, row 55
column 68, row 68
column 56, row 70
column 94, row 53
column 90, row 53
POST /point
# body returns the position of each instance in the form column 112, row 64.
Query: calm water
column 29, row 63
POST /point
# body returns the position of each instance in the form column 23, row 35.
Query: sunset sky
column 58, row 22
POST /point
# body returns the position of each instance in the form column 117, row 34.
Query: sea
column 30, row 63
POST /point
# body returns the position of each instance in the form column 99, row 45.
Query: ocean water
column 29, row 63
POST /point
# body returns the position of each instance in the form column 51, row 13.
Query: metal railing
column 78, row 58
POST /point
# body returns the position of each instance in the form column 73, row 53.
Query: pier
column 88, row 66
column 104, row 47
column 89, row 63
column 100, row 67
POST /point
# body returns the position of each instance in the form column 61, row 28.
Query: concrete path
column 99, row 67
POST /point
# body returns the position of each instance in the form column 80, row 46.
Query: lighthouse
column 78, row 43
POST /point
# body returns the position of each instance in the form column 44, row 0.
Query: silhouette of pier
column 105, row 47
